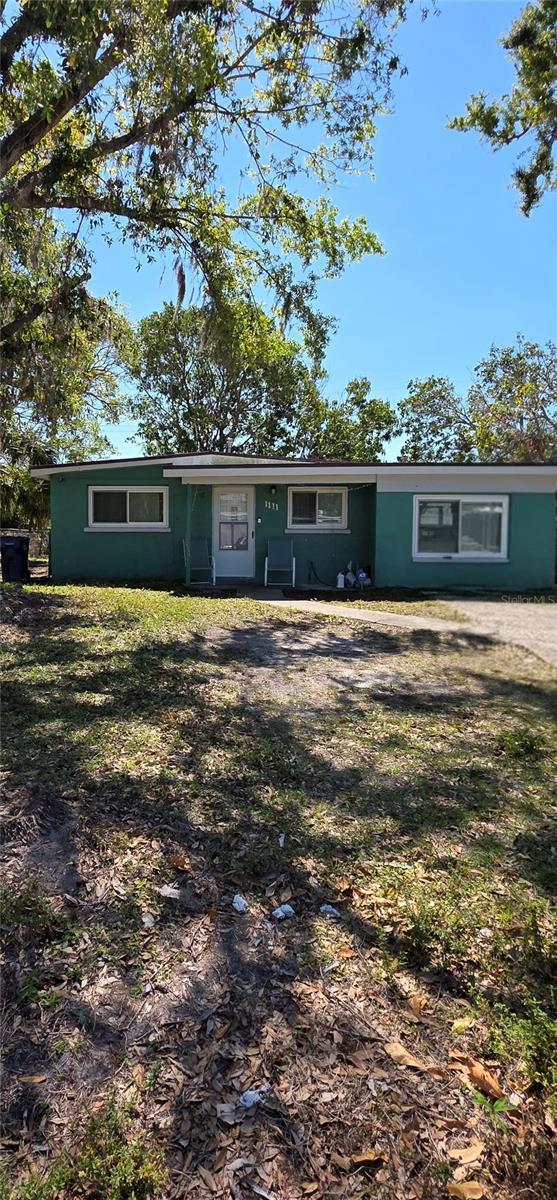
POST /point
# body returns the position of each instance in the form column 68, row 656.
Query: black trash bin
column 14, row 552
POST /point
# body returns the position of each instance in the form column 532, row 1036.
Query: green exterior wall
column 531, row 550
column 80, row 555
column 134, row 555
column 380, row 537
column 329, row 552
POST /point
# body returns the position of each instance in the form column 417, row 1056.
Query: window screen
column 329, row 508
column 317, row 507
column 481, row 527
column 438, row 527
column 304, row 508
column 109, row 508
column 146, row 507
column 233, row 506
column 127, row 507
column 233, row 535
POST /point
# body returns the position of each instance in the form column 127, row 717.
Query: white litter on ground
column 329, row 911
column 171, row 893
column 239, row 904
column 253, row 1096
column 148, row 920
column 281, row 840
column 283, row 910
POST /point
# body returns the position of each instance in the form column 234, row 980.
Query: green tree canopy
column 214, row 379
column 60, row 345
column 130, row 113
column 355, row 427
column 509, row 413
column 61, row 350
column 528, row 114
column 229, row 378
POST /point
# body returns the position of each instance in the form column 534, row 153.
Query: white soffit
column 485, row 480
column 278, row 474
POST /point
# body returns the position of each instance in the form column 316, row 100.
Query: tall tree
column 60, row 345
column 61, row 351
column 230, row 379
column 509, row 413
column 220, row 378
column 528, row 114
column 128, row 112
column 357, row 426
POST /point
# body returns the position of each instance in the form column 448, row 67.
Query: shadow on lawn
column 241, row 772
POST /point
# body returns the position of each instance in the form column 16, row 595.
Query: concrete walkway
column 521, row 623
column 374, row 616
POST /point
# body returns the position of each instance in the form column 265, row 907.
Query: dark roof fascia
column 239, row 461
column 343, row 462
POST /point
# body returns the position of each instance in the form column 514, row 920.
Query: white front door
column 233, row 531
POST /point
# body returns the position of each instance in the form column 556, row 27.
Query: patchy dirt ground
column 525, row 621
column 163, row 755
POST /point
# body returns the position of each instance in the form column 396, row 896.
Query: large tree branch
column 32, row 131
column 30, row 23
column 35, row 128
column 85, row 202
column 174, row 217
column 99, row 148
column 12, row 328
column 24, row 26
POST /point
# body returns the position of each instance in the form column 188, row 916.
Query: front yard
column 164, row 753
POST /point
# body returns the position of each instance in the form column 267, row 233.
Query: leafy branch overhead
column 128, row 113
column 529, row 111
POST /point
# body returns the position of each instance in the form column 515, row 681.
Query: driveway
column 528, row 623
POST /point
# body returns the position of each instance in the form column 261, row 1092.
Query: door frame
column 249, row 489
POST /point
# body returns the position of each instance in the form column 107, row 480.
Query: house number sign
column 272, row 504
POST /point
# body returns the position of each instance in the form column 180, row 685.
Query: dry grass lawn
column 162, row 754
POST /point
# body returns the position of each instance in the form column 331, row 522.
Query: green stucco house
column 196, row 517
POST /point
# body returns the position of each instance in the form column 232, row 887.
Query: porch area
column 278, row 535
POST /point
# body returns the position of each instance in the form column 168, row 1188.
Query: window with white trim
column 317, row 508
column 128, row 507
column 465, row 526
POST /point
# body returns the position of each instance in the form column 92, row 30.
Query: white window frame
column 462, row 555
column 321, row 526
column 127, row 526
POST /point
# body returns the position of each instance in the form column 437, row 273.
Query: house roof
column 205, row 461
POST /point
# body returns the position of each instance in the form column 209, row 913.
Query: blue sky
column 463, row 268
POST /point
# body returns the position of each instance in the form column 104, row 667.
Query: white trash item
column 283, row 910
column 329, row 911
column 239, row 904
column 171, row 893
column 340, row 580
column 254, row 1096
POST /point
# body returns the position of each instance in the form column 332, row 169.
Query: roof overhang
column 304, row 473
column 225, row 468
column 274, row 474
column 466, row 468
column 166, row 460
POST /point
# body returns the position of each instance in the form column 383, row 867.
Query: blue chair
column 280, row 558
column 199, row 556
